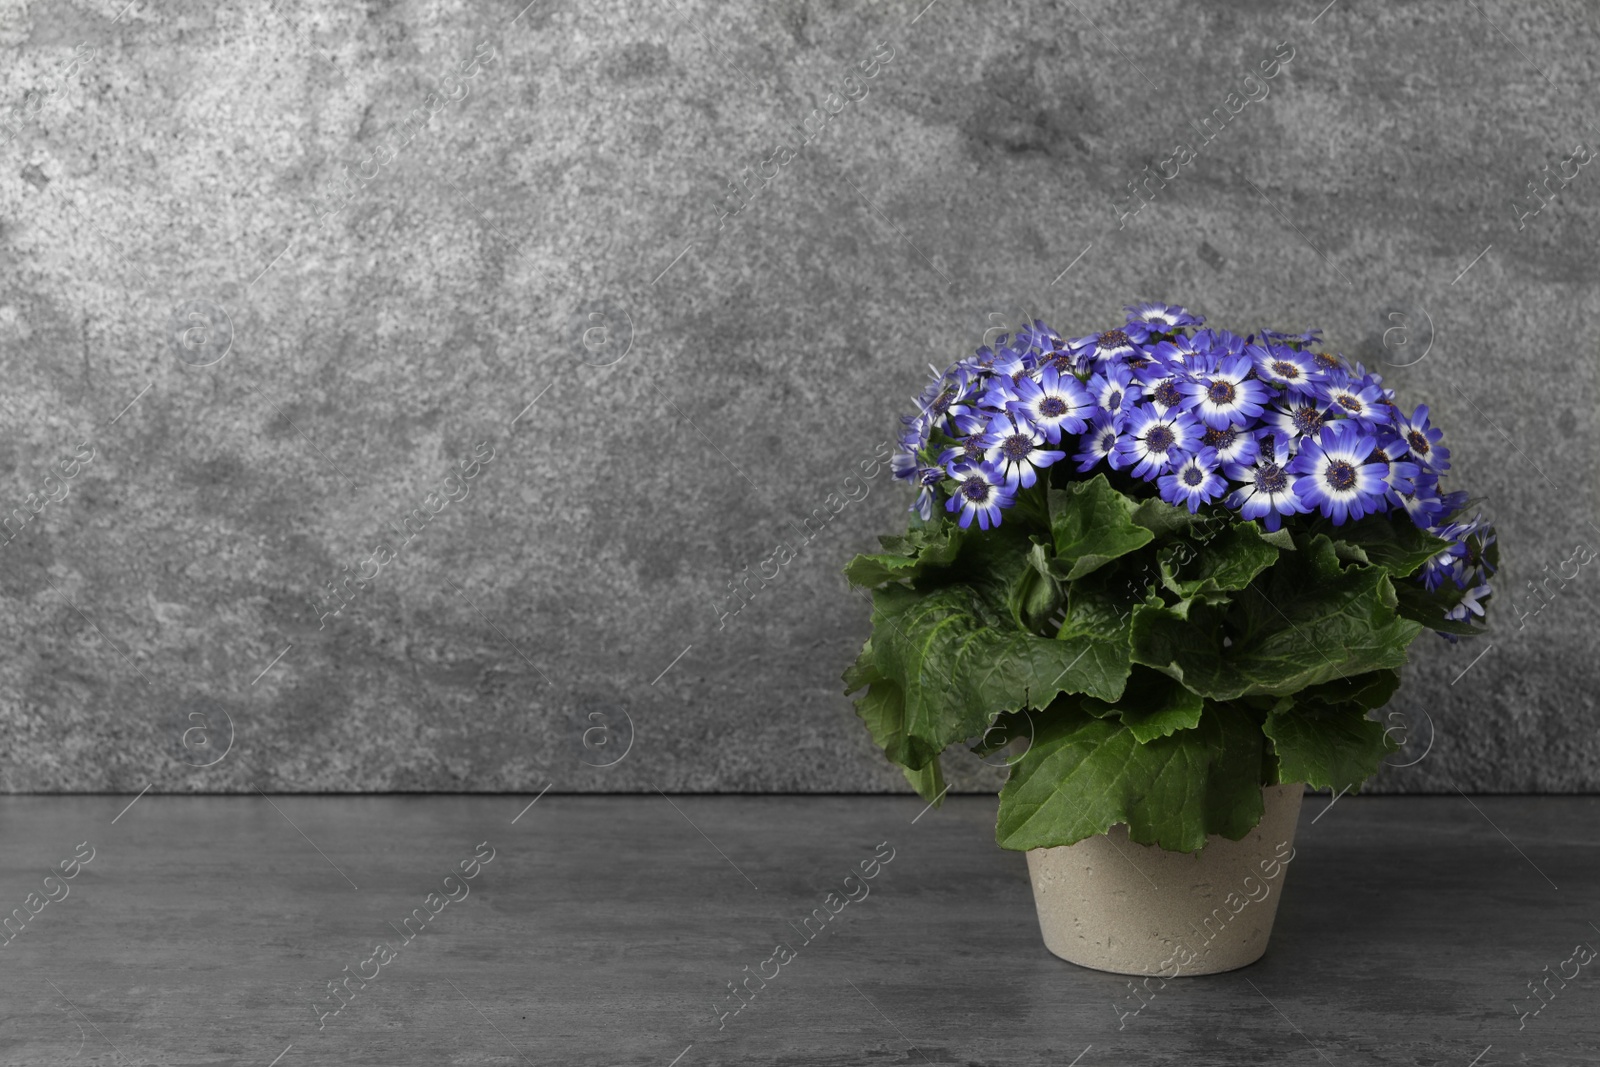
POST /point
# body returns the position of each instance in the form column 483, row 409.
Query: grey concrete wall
column 264, row 377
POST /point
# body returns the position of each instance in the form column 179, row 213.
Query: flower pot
column 1113, row 905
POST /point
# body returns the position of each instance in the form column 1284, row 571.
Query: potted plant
column 1181, row 567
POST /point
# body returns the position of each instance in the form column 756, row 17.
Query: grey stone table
column 607, row 930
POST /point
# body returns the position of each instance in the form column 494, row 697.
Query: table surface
column 605, row 930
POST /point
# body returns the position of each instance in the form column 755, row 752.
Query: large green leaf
column 1035, row 596
column 863, row 672
column 1398, row 546
column 1300, row 623
column 959, row 663
column 1224, row 563
column 1337, row 747
column 1102, row 603
column 883, row 709
column 1152, row 705
column 1428, row 608
column 935, row 544
column 1084, row 774
column 928, row 782
column 1092, row 525
column 1163, row 519
column 1371, row 690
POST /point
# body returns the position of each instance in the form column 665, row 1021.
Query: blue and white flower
column 1358, row 398
column 1099, row 443
column 1154, row 439
column 1422, row 439
column 1194, row 480
column 980, row 493
column 1054, row 403
column 1334, row 475
column 1286, row 367
column 1104, row 347
column 1114, row 390
column 1226, row 395
column 1019, row 451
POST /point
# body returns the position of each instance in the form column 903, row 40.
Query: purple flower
column 1018, row 452
column 1334, row 474
column 1154, row 439
column 1099, row 443
column 981, row 492
column 1146, row 320
column 1286, row 367
column 1227, row 395
column 1054, row 403
column 1422, row 439
column 1194, row 480
column 1355, row 398
column 1104, row 347
column 1114, row 389
column 1231, row 443
column 1267, row 491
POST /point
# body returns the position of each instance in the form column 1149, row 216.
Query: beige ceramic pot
column 1110, row 904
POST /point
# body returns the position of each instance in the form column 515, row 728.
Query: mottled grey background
column 732, row 377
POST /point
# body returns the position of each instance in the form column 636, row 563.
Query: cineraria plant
column 1177, row 563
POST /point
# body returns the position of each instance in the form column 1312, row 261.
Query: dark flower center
column 1159, row 439
column 1269, row 449
column 1136, row 364
column 1017, row 446
column 975, row 490
column 1418, row 442
column 1220, row 392
column 1286, row 370
column 1340, row 475
column 1380, row 456
column 942, row 401
column 1350, row 403
column 1167, row 395
column 1307, row 420
column 1114, row 399
column 1052, row 407
column 973, row 446
column 1271, row 479
column 1108, row 440
column 1193, row 476
column 1114, row 339
column 1220, row 439
column 1326, row 360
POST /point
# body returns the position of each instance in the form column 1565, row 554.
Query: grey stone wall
column 276, row 277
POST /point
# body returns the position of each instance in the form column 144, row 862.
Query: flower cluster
column 1266, row 425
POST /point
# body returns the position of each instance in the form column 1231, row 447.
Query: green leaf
column 1163, row 519
column 1371, row 690
column 1007, row 727
column 1101, row 604
column 863, row 672
column 1084, row 774
column 1421, row 606
column 1394, row 543
column 1092, row 525
column 928, row 782
column 1300, row 623
column 883, row 709
column 933, row 545
column 1280, row 538
column 1035, row 596
column 1151, row 706
column 959, row 663
column 1334, row 747
column 1226, row 562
